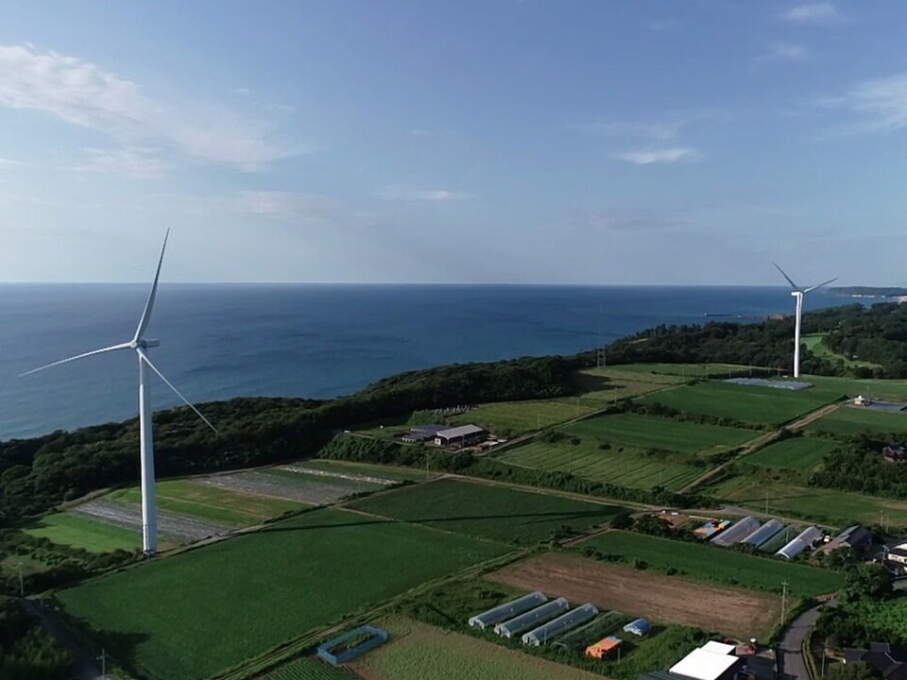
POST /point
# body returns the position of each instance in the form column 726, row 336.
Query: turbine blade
column 176, row 391
column 784, row 274
column 824, row 283
column 112, row 348
column 149, row 302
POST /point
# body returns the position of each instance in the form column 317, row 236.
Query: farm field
column 522, row 416
column 891, row 390
column 388, row 472
column 493, row 512
column 662, row 598
column 748, row 404
column 290, row 486
column 796, row 453
column 72, row 529
column 831, row 506
column 210, row 608
column 418, row 651
column 705, row 562
column 602, row 386
column 310, row 668
column 850, row 421
column 627, row 467
column 645, row 431
column 686, row 371
column 192, row 497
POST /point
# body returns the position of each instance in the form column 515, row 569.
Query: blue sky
column 671, row 142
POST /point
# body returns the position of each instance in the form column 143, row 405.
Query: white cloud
column 420, row 132
column 812, row 13
column 660, row 130
column 84, row 94
column 9, row 163
column 397, row 193
column 284, row 204
column 129, row 160
column 883, row 101
column 663, row 155
column 784, row 52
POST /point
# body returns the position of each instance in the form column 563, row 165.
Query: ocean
column 314, row 340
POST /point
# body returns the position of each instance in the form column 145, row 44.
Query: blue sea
column 313, row 340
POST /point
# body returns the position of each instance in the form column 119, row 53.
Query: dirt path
column 667, row 599
column 814, row 416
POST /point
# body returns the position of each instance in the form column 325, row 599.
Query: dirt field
column 129, row 516
column 293, row 486
column 666, row 599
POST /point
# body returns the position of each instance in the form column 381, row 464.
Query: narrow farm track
column 814, row 416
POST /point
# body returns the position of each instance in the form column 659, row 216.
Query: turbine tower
column 146, row 440
column 799, row 295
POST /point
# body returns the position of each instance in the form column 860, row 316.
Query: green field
column 814, row 344
column 849, row 421
column 602, row 386
column 830, row 506
column 208, row 609
column 209, row 502
column 668, row 434
column 711, row 563
column 748, row 404
column 796, row 453
column 493, row 512
column 884, row 390
column 310, row 668
column 687, row 370
column 418, row 651
column 627, row 467
column 388, row 472
column 67, row 528
column 522, row 416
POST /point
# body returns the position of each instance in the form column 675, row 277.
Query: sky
column 472, row 141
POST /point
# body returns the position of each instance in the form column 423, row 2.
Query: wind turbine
column 799, row 295
column 140, row 344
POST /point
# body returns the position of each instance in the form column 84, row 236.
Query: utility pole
column 783, row 600
column 103, row 659
column 21, row 581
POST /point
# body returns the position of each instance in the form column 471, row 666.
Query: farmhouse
column 458, row 437
column 712, row 661
column 856, row 537
column 895, row 453
column 890, row 660
column 898, row 555
column 422, row 433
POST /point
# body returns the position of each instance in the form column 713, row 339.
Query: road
column 792, row 642
column 86, row 666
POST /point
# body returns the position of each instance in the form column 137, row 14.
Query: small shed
column 603, row 647
column 508, row 610
column 533, row 618
column 701, row 664
column 547, row 631
column 640, row 627
column 805, row 539
column 458, row 437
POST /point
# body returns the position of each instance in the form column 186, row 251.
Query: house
column 856, row 537
column 712, row 661
column 898, row 555
column 422, row 433
column 890, row 660
column 458, row 437
column 895, row 453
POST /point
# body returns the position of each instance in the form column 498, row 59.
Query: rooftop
column 702, row 664
column 461, row 431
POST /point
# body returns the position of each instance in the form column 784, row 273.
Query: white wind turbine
column 140, row 345
column 799, row 294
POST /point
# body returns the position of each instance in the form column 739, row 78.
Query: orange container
column 603, row 647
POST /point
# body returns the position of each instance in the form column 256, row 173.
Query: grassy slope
column 712, row 563
column 210, row 608
column 850, row 421
column 813, row 342
column 749, row 404
column 798, row 453
column 209, row 502
column 662, row 433
column 522, row 416
column 486, row 511
column 618, row 465
column 83, row 532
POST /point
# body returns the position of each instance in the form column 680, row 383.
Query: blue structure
column 639, row 627
column 378, row 637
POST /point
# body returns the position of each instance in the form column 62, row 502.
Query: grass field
column 209, row 502
column 890, row 390
column 493, row 512
column 310, row 668
column 685, row 371
column 748, row 404
column 389, row 472
column 81, row 532
column 522, row 416
column 796, row 453
column 210, row 608
column 710, row 563
column 628, row 467
column 602, row 386
column 644, row 431
column 850, row 421
column 814, row 344
column 418, row 651
column 831, row 506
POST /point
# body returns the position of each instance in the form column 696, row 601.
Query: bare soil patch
column 666, row 599
column 129, row 516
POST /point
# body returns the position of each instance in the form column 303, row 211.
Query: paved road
column 792, row 642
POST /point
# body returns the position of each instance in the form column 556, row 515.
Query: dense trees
column 26, row 650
